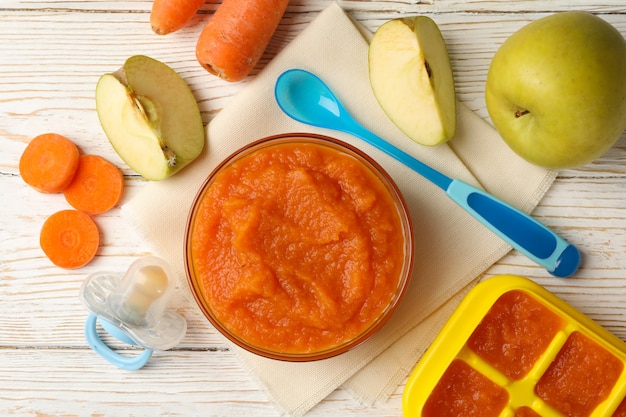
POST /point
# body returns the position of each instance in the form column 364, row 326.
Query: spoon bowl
column 305, row 98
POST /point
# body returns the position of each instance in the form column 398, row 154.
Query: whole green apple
column 556, row 89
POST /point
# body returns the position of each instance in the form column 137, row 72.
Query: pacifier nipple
column 136, row 299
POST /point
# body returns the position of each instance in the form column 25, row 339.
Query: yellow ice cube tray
column 514, row 349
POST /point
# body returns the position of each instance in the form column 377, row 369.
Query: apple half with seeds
column 151, row 117
column 412, row 79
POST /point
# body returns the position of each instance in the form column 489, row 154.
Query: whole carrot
column 168, row 16
column 234, row 39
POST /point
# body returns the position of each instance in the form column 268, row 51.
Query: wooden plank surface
column 51, row 55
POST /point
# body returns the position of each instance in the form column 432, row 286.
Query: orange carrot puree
column 463, row 391
column 526, row 412
column 299, row 247
column 515, row 333
column 580, row 378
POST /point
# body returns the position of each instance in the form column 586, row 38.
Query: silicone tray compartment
column 514, row 349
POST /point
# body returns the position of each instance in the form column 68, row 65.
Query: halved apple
column 150, row 116
column 412, row 79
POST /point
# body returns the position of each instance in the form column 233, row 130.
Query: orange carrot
column 49, row 162
column 234, row 39
column 97, row 185
column 69, row 238
column 168, row 16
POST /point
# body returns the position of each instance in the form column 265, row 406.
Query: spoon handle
column 518, row 229
column 353, row 127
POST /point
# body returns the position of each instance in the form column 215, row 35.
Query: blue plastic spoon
column 306, row 98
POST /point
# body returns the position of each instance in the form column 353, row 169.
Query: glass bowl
column 298, row 247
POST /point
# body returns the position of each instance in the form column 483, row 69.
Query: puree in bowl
column 298, row 247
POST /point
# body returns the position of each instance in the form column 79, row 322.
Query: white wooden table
column 51, row 55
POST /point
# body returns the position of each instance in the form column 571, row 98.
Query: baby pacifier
column 132, row 308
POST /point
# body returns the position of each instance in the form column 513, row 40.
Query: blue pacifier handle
column 125, row 362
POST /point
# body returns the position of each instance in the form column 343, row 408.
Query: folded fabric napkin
column 452, row 248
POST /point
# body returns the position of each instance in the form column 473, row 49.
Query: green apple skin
column 556, row 90
column 412, row 79
column 151, row 117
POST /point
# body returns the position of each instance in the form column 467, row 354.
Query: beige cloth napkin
column 452, row 248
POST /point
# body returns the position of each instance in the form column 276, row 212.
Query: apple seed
column 169, row 155
column 428, row 70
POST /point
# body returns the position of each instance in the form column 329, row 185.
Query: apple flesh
column 556, row 89
column 412, row 79
column 151, row 117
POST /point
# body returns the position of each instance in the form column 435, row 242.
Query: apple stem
column 428, row 70
column 520, row 113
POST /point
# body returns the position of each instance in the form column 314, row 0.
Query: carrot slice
column 234, row 39
column 168, row 16
column 49, row 163
column 97, row 185
column 69, row 238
